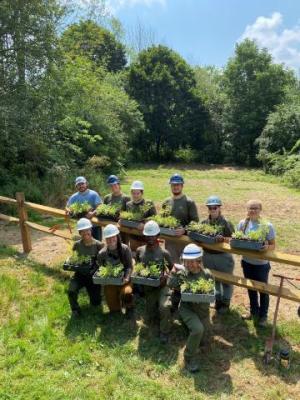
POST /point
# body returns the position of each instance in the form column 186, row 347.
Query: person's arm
column 96, row 202
column 270, row 240
column 151, row 211
column 193, row 212
column 168, row 259
column 127, row 265
column 227, row 232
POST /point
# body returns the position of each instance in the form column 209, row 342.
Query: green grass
column 47, row 355
column 235, row 187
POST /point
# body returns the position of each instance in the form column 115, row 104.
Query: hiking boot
column 191, row 365
column 164, row 338
column 263, row 322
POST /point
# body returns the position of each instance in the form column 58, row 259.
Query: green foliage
column 111, row 271
column 260, row 235
column 163, row 84
column 205, row 229
column 108, row 210
column 254, row 87
column 80, row 208
column 94, row 42
column 200, row 285
column 167, row 222
column 136, row 215
column 77, row 259
column 151, row 270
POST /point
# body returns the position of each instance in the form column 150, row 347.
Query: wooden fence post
column 25, row 231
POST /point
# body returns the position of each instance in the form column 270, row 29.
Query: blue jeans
column 258, row 273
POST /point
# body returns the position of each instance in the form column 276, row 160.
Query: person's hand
column 219, row 238
column 180, row 231
column 126, row 279
column 140, row 226
column 265, row 247
column 67, row 212
column 178, row 267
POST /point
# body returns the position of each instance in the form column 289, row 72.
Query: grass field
column 47, row 355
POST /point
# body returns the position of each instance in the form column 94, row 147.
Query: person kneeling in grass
column 86, row 246
column 117, row 253
column 194, row 315
column 158, row 302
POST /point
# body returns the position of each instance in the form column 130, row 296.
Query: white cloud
column 283, row 44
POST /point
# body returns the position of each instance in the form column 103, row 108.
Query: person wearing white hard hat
column 194, row 315
column 113, row 253
column 86, row 246
column 158, row 302
column 83, row 195
column 139, row 206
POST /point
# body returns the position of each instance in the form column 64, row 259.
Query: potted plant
column 253, row 240
column 108, row 212
column 166, row 222
column 132, row 219
column 109, row 275
column 79, row 210
column 204, row 233
column 148, row 275
column 198, row 291
column 77, row 263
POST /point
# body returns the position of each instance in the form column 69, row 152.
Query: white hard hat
column 191, row 252
column 84, row 223
column 137, row 185
column 151, row 228
column 80, row 179
column 110, row 230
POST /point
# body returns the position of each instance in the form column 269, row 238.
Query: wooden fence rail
column 276, row 256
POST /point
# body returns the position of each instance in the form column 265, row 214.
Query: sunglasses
column 254, row 208
column 213, row 208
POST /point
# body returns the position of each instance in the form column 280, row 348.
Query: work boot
column 164, row 338
column 263, row 322
column 191, row 364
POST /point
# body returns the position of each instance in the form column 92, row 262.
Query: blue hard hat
column 112, row 179
column 213, row 201
column 176, row 178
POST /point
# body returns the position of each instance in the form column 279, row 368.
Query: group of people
column 190, row 262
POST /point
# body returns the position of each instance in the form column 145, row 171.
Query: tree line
column 80, row 99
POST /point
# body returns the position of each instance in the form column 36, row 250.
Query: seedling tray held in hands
column 140, row 280
column 130, row 224
column 197, row 297
column 199, row 237
column 81, row 268
column 98, row 280
column 167, row 231
column 246, row 244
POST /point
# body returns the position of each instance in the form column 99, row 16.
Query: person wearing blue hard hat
column 86, row 195
column 218, row 260
column 183, row 208
column 116, row 196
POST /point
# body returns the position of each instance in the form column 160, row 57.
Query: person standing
column 257, row 269
column 218, row 260
column 183, row 208
column 86, row 246
column 116, row 196
column 84, row 194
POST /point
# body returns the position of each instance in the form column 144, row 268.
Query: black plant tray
column 246, row 244
column 140, row 280
column 107, row 281
column 113, row 218
column 82, row 268
column 199, row 237
column 167, row 231
column 129, row 224
column 197, row 297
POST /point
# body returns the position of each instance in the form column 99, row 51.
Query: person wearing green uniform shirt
column 158, row 303
column 115, row 253
column 194, row 315
column 116, row 196
column 139, row 205
column 218, row 260
column 183, row 208
column 86, row 246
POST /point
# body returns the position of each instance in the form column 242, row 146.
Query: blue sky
column 205, row 31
